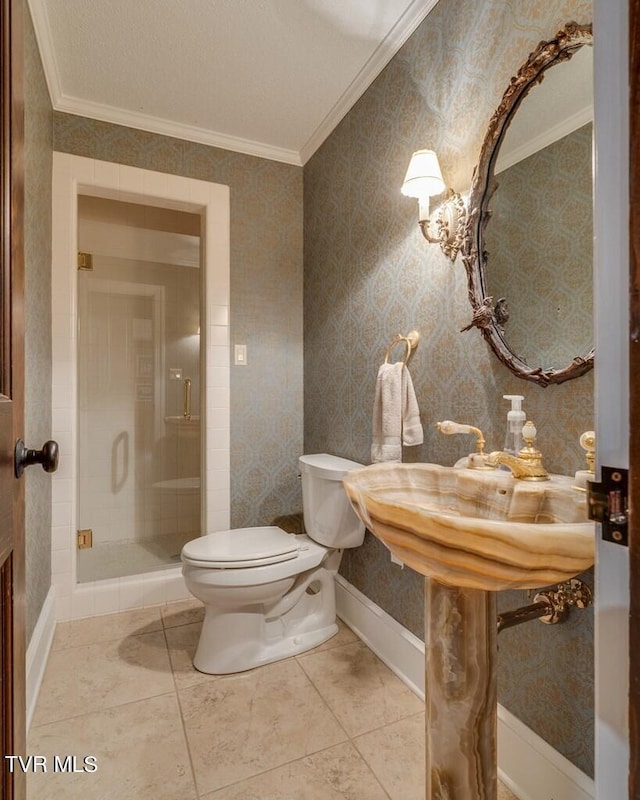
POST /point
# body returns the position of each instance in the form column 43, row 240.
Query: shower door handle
column 47, row 457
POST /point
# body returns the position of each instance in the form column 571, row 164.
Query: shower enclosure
column 139, row 366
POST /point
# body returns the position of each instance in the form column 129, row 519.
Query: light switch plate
column 240, row 355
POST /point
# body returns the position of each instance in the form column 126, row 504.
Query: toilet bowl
column 269, row 594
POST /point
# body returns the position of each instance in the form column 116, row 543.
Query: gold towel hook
column 411, row 340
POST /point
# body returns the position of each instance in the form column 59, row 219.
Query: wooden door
column 634, row 399
column 12, row 630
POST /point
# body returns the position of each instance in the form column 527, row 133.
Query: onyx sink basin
column 476, row 529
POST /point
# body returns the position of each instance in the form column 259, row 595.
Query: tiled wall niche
column 73, row 175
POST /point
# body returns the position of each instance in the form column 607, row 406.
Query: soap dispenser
column 516, row 418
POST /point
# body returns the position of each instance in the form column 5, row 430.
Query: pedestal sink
column 470, row 533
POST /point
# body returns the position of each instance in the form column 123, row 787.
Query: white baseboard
column 400, row 650
column 532, row 769
column 527, row 765
column 38, row 651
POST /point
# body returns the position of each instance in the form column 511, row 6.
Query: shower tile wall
column 369, row 275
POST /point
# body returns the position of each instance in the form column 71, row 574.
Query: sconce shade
column 423, row 178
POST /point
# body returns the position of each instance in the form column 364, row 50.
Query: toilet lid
column 242, row 547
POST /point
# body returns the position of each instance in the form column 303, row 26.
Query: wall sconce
column 424, row 180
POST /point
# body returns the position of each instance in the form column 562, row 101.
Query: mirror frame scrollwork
column 569, row 39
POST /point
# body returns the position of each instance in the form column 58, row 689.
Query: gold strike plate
column 85, row 261
column 85, row 539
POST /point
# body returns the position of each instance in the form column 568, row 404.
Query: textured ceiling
column 266, row 77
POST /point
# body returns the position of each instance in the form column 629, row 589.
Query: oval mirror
column 527, row 247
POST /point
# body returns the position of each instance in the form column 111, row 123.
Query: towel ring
column 410, row 340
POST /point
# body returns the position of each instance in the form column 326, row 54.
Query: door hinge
column 85, row 261
column 85, row 539
column 608, row 503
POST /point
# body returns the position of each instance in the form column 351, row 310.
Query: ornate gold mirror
column 527, row 247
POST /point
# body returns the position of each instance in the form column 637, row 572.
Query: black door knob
column 24, row 457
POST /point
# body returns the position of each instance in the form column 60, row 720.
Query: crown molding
column 165, row 127
column 547, row 137
column 42, row 30
column 385, row 51
column 379, row 59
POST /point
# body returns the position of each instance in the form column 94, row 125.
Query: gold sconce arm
column 424, row 180
column 450, row 222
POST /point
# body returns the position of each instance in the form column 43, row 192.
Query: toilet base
column 247, row 657
column 238, row 640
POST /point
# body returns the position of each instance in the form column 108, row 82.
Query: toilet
column 269, row 594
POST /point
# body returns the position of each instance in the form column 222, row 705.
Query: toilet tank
column 329, row 518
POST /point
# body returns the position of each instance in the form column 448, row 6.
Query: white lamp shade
column 423, row 178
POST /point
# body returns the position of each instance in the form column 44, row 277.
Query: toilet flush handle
column 47, row 457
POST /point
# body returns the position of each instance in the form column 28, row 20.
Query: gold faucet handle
column 448, row 426
column 588, row 443
column 529, row 433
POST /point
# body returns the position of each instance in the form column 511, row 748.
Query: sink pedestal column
column 461, row 693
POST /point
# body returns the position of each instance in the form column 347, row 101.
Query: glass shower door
column 138, row 389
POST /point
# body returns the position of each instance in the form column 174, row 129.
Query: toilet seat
column 241, row 548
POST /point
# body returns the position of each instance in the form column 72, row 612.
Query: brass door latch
column 85, row 538
column 608, row 504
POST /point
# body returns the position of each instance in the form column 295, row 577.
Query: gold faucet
column 477, row 460
column 527, row 465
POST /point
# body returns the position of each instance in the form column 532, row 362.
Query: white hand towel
column 396, row 418
column 412, row 433
column 387, row 414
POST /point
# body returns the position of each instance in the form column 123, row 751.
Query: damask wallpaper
column 37, row 242
column 369, row 275
column 266, row 300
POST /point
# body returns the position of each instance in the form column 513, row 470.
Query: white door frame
column 611, row 292
column 74, row 175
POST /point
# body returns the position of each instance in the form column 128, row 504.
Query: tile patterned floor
column 122, row 688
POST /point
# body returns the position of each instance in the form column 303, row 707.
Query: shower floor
column 118, row 559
